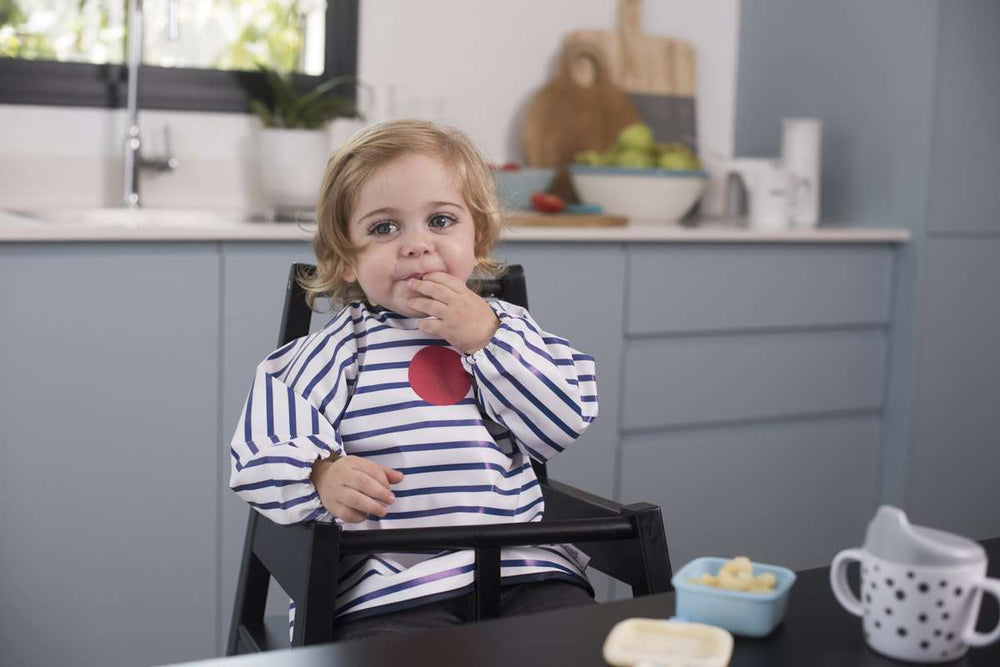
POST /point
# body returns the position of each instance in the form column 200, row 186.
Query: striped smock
column 460, row 428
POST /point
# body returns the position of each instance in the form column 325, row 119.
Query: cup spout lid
column 891, row 536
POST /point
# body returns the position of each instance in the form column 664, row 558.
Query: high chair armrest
column 563, row 501
column 285, row 551
column 490, row 535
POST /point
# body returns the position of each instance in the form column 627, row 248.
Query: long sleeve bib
column 460, row 427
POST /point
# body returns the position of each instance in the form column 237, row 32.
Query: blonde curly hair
column 351, row 167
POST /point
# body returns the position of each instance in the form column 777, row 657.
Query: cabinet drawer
column 685, row 288
column 791, row 493
column 708, row 379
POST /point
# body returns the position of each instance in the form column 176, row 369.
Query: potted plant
column 293, row 140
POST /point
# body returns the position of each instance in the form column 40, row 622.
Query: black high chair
column 626, row 542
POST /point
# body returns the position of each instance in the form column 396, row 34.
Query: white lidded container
column 649, row 642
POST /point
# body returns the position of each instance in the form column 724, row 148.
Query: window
column 72, row 52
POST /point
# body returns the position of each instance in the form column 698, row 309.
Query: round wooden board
column 579, row 109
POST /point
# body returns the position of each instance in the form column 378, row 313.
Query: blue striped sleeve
column 284, row 429
column 534, row 383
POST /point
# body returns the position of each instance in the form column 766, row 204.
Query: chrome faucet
column 134, row 160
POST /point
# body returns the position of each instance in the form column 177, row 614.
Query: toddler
column 420, row 402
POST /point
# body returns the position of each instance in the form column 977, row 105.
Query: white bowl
column 643, row 194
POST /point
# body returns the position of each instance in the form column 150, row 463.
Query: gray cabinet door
column 954, row 451
column 108, row 483
column 788, row 492
column 253, row 292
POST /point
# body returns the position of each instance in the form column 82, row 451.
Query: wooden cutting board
column 657, row 73
column 534, row 219
column 579, row 109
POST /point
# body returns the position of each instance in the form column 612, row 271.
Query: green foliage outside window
column 279, row 42
column 222, row 34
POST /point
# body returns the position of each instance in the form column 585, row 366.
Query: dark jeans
column 515, row 599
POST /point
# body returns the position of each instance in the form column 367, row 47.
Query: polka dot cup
column 916, row 613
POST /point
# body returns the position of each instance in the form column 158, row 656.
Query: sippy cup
column 920, row 589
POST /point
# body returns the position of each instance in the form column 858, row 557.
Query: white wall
column 478, row 61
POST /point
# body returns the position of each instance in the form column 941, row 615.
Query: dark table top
column 817, row 632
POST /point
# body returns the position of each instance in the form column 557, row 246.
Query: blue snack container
column 740, row 612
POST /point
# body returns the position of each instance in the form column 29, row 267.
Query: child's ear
column 348, row 269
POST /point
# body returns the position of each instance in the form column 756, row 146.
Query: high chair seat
column 626, row 542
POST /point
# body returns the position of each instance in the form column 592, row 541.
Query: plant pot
column 292, row 162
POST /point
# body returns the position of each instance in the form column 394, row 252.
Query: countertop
column 192, row 225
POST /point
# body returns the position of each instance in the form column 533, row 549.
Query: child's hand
column 351, row 488
column 464, row 319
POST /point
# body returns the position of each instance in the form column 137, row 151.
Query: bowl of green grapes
column 640, row 179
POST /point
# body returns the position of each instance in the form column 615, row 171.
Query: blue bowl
column 516, row 187
column 740, row 612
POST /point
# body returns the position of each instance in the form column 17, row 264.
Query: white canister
column 800, row 154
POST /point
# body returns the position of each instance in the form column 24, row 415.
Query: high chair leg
column 314, row 601
column 487, row 582
column 251, row 596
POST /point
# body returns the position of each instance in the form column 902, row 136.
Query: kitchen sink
column 157, row 217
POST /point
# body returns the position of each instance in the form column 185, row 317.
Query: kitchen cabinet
column 753, row 395
column 108, row 408
column 252, row 295
column 953, row 453
column 741, row 389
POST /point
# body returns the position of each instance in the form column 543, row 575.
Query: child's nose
column 417, row 243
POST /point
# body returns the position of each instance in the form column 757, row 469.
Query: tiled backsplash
column 66, row 156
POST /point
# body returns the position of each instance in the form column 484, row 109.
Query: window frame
column 176, row 88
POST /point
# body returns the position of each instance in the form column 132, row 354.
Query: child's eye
column 441, row 221
column 382, row 228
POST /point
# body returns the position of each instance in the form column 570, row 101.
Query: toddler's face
column 410, row 219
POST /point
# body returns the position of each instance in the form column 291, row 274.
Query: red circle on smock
column 436, row 374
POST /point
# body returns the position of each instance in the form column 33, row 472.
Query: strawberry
column 510, row 166
column 546, row 203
